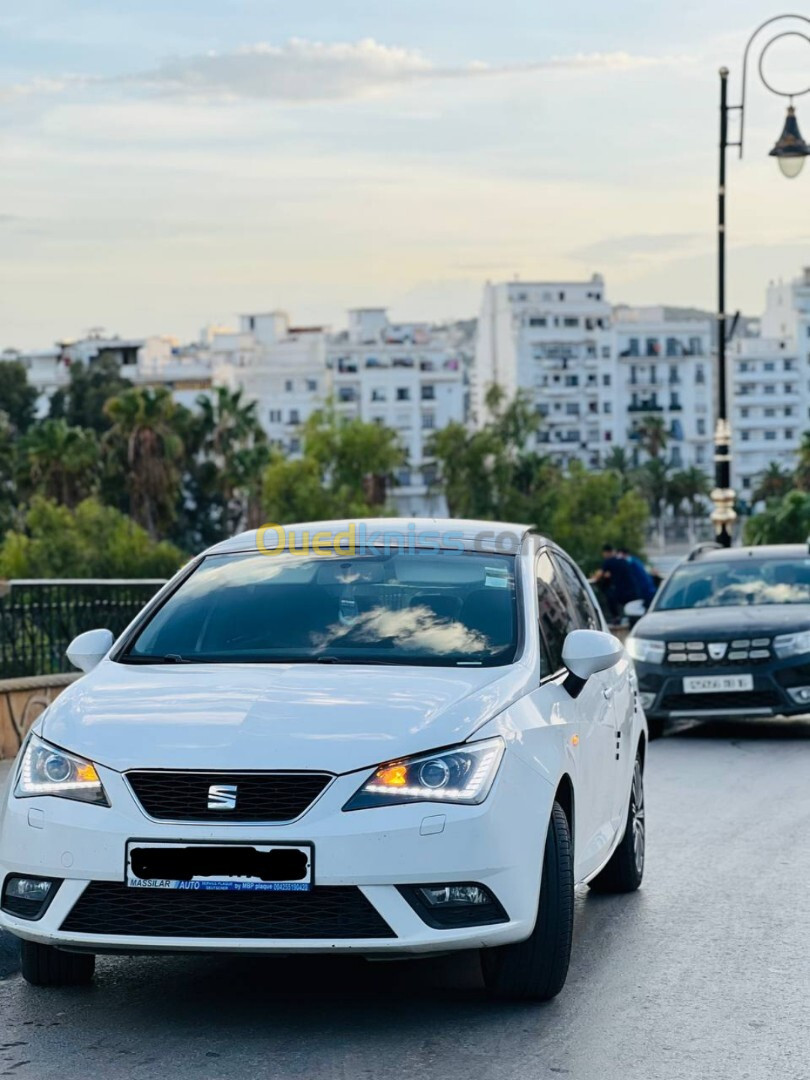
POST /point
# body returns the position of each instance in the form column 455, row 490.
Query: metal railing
column 39, row 617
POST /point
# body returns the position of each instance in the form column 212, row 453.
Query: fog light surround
column 454, row 905
column 800, row 694
column 28, row 897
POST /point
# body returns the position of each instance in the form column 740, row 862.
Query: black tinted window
column 417, row 607
column 585, row 614
column 555, row 618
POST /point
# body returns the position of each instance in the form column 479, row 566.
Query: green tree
column 89, row 389
column 773, row 483
column 652, row 479
column 617, row 460
column 90, row 541
column 147, row 450
column 233, row 441
column 784, row 522
column 344, row 471
column 58, row 461
column 18, row 399
column 802, row 474
column 653, row 435
column 488, row 473
column 592, row 509
column 8, row 489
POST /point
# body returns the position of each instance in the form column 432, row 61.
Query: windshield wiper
column 167, row 658
column 346, row 660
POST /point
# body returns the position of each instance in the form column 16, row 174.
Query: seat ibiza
column 391, row 738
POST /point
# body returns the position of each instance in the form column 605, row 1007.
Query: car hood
column 724, row 623
column 291, row 716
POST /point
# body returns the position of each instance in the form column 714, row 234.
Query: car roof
column 762, row 551
column 490, row 535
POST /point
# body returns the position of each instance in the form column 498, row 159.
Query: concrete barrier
column 21, row 702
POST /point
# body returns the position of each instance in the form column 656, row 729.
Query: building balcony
column 645, row 407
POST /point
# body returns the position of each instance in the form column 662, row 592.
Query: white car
column 389, row 738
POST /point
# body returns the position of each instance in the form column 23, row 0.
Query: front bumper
column 661, row 687
column 374, row 850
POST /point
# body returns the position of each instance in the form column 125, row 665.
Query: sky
column 165, row 164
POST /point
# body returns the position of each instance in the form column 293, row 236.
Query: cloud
column 636, row 246
column 310, row 71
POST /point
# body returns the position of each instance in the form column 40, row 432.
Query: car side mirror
column 86, row 650
column 587, row 652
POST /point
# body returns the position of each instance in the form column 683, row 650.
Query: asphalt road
column 703, row 974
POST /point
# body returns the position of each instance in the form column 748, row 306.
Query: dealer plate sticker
column 225, row 867
column 717, row 684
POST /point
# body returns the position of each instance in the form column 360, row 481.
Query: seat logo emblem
column 222, row 797
column 717, row 650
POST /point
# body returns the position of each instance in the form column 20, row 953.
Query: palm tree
column 802, row 476
column 59, row 461
column 653, row 480
column 653, row 435
column 773, row 483
column 618, row 461
column 145, row 438
column 234, row 440
column 690, row 486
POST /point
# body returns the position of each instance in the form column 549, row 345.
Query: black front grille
column 746, row 651
column 269, row 796
column 335, row 911
column 751, row 699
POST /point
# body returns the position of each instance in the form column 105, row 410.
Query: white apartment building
column 664, row 368
column 554, row 340
column 594, row 371
column 769, row 385
column 280, row 366
column 407, row 376
column 151, row 361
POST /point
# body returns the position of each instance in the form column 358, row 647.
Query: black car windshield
column 734, row 582
column 421, row 606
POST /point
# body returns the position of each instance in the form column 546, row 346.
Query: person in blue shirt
column 644, row 584
column 617, row 578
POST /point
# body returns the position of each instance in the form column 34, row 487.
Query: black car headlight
column 464, row 774
column 47, row 770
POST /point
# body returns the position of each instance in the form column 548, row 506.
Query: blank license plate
column 717, row 684
column 231, row 867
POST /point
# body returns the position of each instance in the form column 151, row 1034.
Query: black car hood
column 723, row 623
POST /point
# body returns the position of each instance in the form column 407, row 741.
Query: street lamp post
column 790, row 151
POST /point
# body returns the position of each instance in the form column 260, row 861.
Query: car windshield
column 734, row 582
column 420, row 607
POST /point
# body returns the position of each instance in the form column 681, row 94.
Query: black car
column 728, row 634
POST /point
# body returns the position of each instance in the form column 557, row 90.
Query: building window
column 378, row 394
column 789, row 433
column 570, row 320
column 769, row 365
column 572, row 408
column 428, row 421
column 295, row 446
column 701, row 426
column 288, row 386
column 770, row 388
column 312, row 385
column 428, row 392
column 606, row 380
column 770, row 436
column 536, row 321
column 403, row 393
column 745, row 436
column 769, row 412
column 275, row 416
column 746, row 481
column 700, row 374
column 607, row 407
column 294, row 417
column 744, row 412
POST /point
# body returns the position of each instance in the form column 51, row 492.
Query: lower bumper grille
column 753, row 699
column 107, row 907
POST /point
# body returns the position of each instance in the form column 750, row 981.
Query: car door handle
column 608, row 692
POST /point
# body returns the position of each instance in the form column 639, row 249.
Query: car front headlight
column 792, row 644
column 47, row 770
column 645, row 650
column 464, row 774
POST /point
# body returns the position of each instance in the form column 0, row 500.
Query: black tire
column 656, row 726
column 535, row 969
column 625, row 870
column 44, row 965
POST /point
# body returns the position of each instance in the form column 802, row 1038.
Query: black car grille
column 751, row 699
column 745, row 651
column 268, row 796
column 339, row 911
